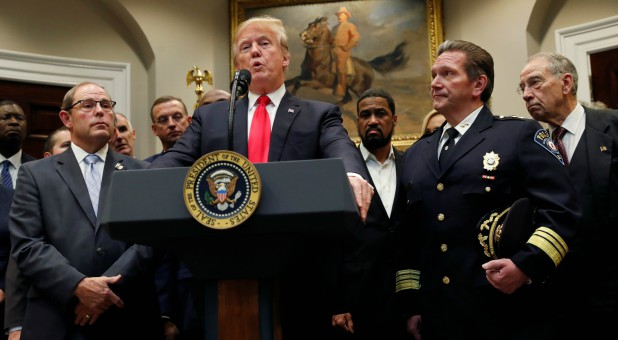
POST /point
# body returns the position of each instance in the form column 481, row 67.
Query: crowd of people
column 421, row 266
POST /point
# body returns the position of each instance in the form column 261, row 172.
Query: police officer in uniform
column 475, row 163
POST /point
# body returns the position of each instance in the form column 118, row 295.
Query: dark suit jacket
column 57, row 241
column 5, row 243
column 302, row 130
column 445, row 205
column 594, row 170
column 370, row 269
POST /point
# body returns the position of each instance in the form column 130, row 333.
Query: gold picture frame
column 376, row 21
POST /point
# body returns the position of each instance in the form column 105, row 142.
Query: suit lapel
column 241, row 130
column 470, row 139
column 430, row 152
column 70, row 172
column 110, row 165
column 598, row 146
column 288, row 110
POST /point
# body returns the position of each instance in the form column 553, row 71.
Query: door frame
column 578, row 42
column 52, row 70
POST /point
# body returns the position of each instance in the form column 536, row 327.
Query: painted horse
column 318, row 69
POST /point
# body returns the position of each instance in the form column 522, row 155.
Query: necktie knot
column 452, row 133
column 263, row 100
column 92, row 159
column 559, row 132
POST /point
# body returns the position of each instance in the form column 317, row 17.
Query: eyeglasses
column 163, row 120
column 88, row 105
column 5, row 117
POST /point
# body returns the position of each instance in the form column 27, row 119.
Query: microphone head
column 242, row 80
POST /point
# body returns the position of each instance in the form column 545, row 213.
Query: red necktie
column 259, row 135
column 557, row 135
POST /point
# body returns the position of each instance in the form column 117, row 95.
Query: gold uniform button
column 443, row 247
column 440, row 186
column 440, row 217
column 446, row 280
column 487, row 189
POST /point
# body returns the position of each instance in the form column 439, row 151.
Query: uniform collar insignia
column 543, row 138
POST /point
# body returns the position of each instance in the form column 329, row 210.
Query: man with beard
column 13, row 130
column 369, row 270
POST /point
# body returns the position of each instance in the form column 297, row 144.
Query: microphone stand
column 232, row 108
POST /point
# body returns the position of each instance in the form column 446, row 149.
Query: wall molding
column 51, row 70
column 578, row 42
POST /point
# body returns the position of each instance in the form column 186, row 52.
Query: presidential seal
column 222, row 189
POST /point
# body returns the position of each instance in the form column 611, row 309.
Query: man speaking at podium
column 294, row 129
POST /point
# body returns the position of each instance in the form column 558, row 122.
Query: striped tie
column 93, row 180
column 7, row 180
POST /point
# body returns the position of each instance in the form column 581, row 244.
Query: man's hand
column 15, row 335
column 414, row 326
column 95, row 297
column 504, row 275
column 344, row 321
column 362, row 194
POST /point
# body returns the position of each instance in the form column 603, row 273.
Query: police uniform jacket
column 495, row 162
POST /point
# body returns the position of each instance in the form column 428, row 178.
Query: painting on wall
column 395, row 51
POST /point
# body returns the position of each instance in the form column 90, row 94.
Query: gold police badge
column 491, row 161
column 222, row 189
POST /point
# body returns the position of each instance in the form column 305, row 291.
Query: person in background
column 214, row 95
column 587, row 283
column 475, row 164
column 124, row 137
column 370, row 269
column 298, row 129
column 57, row 141
column 84, row 284
column 172, row 278
column 13, row 131
column 169, row 121
column 16, row 285
column 344, row 37
column 432, row 122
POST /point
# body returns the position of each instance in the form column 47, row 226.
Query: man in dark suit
column 84, row 284
column 477, row 163
column 13, row 132
column 589, row 279
column 370, row 268
column 299, row 130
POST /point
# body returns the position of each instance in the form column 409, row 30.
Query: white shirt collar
column 367, row 155
column 80, row 154
column 464, row 125
column 275, row 97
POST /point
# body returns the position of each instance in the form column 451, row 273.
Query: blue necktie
column 93, row 180
column 7, row 180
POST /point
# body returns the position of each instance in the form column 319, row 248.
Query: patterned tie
column 557, row 135
column 259, row 135
column 448, row 146
column 93, row 180
column 7, row 180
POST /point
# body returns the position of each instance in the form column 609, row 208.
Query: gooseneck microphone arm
column 239, row 87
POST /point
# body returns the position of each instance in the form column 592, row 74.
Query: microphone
column 240, row 84
column 239, row 88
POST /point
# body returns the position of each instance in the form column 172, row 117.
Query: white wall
column 163, row 39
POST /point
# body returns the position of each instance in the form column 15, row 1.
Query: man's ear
column 479, row 84
column 65, row 116
column 567, row 83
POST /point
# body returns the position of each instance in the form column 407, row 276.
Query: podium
column 300, row 201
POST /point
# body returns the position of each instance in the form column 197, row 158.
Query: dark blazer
column 57, row 241
column 370, row 270
column 301, row 130
column 445, row 205
column 6, row 199
column 594, row 170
